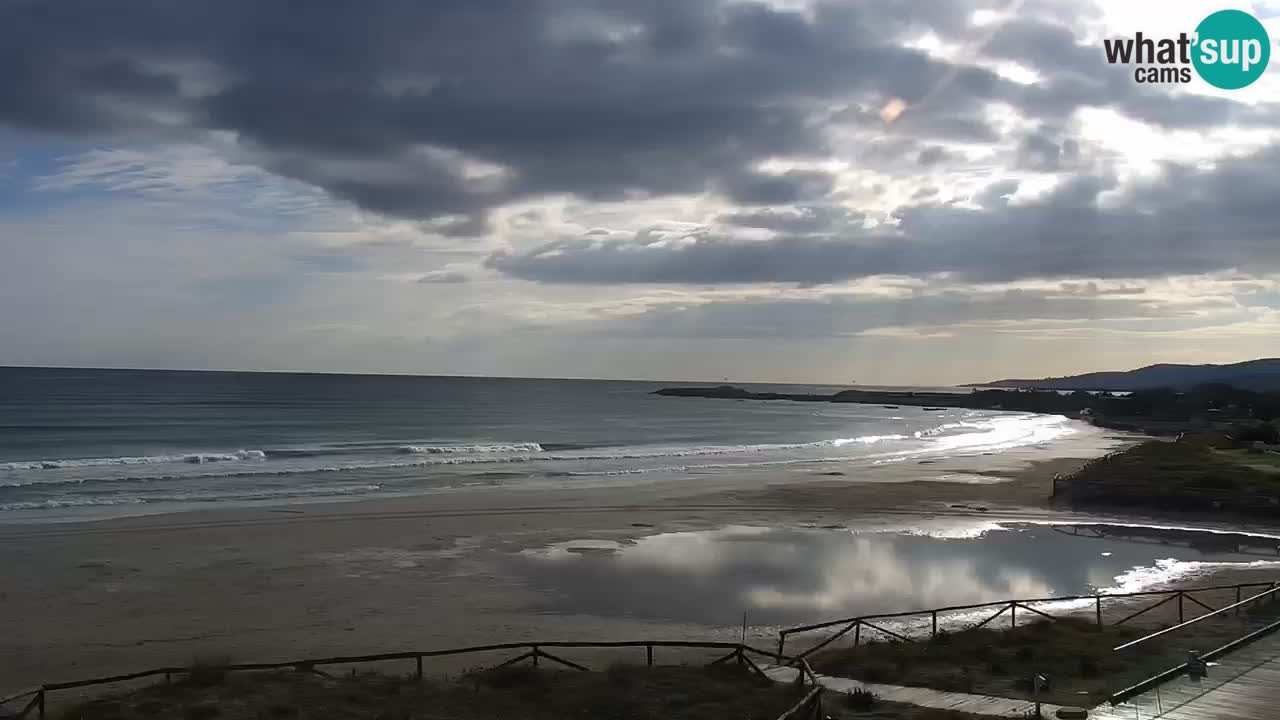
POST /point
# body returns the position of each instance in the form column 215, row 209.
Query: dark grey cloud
column 1191, row 221
column 390, row 103
column 960, row 122
column 800, row 220
column 1041, row 153
column 932, row 155
column 782, row 189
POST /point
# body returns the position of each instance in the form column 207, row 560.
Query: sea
column 91, row 443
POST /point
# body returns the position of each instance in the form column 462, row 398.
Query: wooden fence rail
column 811, row 703
column 855, row 625
column 1154, row 680
column 535, row 651
column 1269, row 595
column 739, row 652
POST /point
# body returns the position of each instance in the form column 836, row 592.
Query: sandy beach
column 306, row 580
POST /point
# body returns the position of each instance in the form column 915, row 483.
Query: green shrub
column 860, row 699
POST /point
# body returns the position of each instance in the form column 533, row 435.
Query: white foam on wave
column 997, row 430
column 991, row 433
column 1001, row 433
column 1169, row 570
column 135, row 460
column 938, row 430
column 453, row 455
column 197, row 458
column 469, row 449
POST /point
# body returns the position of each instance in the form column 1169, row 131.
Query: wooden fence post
column 1098, row 608
column 40, row 704
column 648, row 651
column 934, row 632
column 1237, row 601
column 857, row 633
column 1013, row 615
column 535, row 656
column 1180, row 606
column 419, row 663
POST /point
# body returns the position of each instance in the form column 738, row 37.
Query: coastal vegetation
column 1074, row 654
column 1199, row 472
column 1225, row 457
column 1155, row 411
column 621, row 692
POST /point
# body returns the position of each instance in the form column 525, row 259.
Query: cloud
column 329, row 263
column 181, row 173
column 1190, row 220
column 195, row 180
column 932, row 155
column 802, row 219
column 783, row 189
column 393, row 106
column 1040, row 153
column 444, row 277
column 845, row 315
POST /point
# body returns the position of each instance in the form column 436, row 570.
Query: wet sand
column 277, row 583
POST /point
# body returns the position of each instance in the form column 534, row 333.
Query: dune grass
column 513, row 693
column 1074, row 653
column 1197, row 474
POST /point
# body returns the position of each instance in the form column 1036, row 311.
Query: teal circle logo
column 1231, row 49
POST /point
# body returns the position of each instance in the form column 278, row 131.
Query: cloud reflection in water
column 791, row 575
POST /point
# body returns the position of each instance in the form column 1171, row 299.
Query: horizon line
column 342, row 373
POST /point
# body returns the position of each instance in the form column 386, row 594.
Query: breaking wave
column 239, row 474
column 193, row 458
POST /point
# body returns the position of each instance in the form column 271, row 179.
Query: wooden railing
column 875, row 623
column 811, row 703
column 535, row 651
column 1162, row 677
column 740, row 652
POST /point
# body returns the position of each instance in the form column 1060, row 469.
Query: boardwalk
column 1245, row 686
column 924, row 697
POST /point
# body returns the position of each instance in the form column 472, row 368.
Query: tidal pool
column 784, row 576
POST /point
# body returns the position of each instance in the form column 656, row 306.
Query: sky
column 829, row 191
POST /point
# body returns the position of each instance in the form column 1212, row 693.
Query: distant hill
column 1259, row 375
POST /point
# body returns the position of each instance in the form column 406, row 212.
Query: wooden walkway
column 1244, row 686
column 924, row 697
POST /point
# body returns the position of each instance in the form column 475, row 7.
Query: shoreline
column 371, row 575
column 967, row 468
